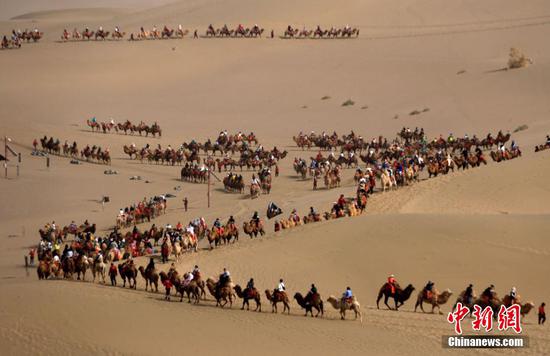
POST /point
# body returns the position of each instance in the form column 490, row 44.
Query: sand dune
column 486, row 225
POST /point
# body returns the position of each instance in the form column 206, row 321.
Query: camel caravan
column 318, row 32
column 94, row 154
column 126, row 126
column 400, row 161
column 156, row 34
column 86, row 35
column 144, row 210
column 239, row 31
column 12, row 43
column 35, row 35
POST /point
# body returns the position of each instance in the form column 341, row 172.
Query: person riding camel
column 451, row 138
column 151, row 266
column 280, row 287
column 312, row 211
column 312, row 292
column 428, row 290
column 172, row 269
column 392, row 283
column 468, row 294
column 189, row 277
column 223, row 280
column 513, row 296
column 488, row 293
column 250, row 286
column 255, row 180
column 347, row 296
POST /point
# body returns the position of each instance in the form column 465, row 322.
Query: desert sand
column 481, row 226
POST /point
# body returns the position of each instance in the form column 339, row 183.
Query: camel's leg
column 386, row 297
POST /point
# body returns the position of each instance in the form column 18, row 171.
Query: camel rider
column 255, row 180
column 513, row 296
column 112, row 121
column 151, row 265
column 256, row 218
column 479, row 153
column 172, row 269
column 231, row 221
column 547, row 140
column 180, row 28
column 347, row 296
column 489, row 293
column 312, row 291
column 428, row 290
column 312, row 211
column 117, row 30
column 341, row 155
column 250, row 285
column 217, row 223
column 100, row 29
column 468, row 294
column 188, row 279
column 280, row 287
column 224, row 277
column 513, row 146
column 451, row 138
column 392, row 283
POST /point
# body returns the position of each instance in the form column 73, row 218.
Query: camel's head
column 448, row 291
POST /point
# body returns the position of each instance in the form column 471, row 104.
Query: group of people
column 141, row 211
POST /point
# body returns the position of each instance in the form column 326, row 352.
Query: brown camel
column 43, row 270
column 278, row 297
column 435, row 299
column 400, row 296
column 310, row 302
column 151, row 278
column 248, row 294
column 221, row 293
column 128, row 271
column 191, row 289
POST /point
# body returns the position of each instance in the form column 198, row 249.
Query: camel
column 191, row 289
column 247, row 295
column 386, row 181
column 251, row 229
column 278, row 297
column 128, row 271
column 99, row 269
column 254, row 191
column 151, row 278
column 310, row 302
column 81, row 266
column 435, row 299
column 400, row 296
column 43, row 270
column 222, row 293
column 341, row 305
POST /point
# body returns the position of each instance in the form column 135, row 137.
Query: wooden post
column 19, row 157
column 48, row 161
column 208, row 193
column 6, row 155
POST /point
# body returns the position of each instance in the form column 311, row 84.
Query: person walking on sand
column 185, row 202
column 168, row 285
column 112, row 274
column 542, row 314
